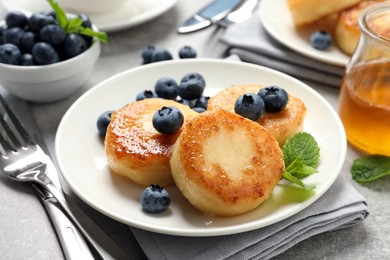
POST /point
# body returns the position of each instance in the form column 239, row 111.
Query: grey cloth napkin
column 340, row 207
column 253, row 44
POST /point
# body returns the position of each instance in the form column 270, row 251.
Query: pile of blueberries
column 39, row 39
column 271, row 99
column 188, row 92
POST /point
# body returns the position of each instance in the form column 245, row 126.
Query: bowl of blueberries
column 47, row 56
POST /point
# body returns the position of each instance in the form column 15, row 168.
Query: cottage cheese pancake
column 282, row 125
column 135, row 149
column 308, row 11
column 225, row 164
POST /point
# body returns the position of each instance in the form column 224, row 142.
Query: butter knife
column 106, row 248
column 240, row 14
column 208, row 15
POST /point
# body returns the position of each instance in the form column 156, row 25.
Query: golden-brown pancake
column 282, row 125
column 135, row 149
column 225, row 164
column 308, row 11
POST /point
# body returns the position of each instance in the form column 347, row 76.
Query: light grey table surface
column 26, row 232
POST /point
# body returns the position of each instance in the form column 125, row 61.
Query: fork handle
column 59, row 196
column 72, row 242
column 106, row 243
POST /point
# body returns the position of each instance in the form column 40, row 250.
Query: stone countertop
column 26, row 232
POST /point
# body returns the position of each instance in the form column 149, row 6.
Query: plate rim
column 114, row 26
column 213, row 231
column 313, row 54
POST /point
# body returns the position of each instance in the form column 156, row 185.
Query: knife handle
column 72, row 241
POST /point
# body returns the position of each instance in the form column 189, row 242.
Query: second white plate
column 134, row 12
column 276, row 19
column 82, row 160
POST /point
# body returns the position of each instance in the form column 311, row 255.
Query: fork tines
column 13, row 135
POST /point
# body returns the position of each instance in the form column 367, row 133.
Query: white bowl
column 48, row 83
column 92, row 6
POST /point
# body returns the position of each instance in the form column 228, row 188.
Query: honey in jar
column 364, row 105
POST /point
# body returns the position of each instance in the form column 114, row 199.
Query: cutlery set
column 219, row 12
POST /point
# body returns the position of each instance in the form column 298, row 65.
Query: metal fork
column 22, row 159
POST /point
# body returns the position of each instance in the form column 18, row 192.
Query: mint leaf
column 300, row 170
column 286, row 175
column 75, row 25
column 89, row 32
column 301, row 144
column 370, row 167
column 301, row 158
column 60, row 14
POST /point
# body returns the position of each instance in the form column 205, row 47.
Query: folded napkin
column 251, row 42
column 340, row 207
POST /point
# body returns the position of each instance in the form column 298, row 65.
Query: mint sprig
column 75, row 24
column 301, row 158
column 370, row 167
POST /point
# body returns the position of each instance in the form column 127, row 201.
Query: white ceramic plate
column 133, row 13
column 276, row 19
column 82, row 161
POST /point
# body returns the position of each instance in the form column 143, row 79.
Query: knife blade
column 102, row 240
column 208, row 15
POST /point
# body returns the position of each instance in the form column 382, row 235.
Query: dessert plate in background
column 82, row 160
column 276, row 19
column 134, row 12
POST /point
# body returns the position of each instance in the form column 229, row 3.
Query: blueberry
column 44, row 53
column 320, row 40
column 86, row 20
column 196, row 75
column 166, row 88
column 103, row 121
column 202, row 102
column 146, row 53
column 249, row 105
column 168, row 120
column 187, row 52
column 10, row 54
column 16, row 19
column 2, row 30
column 199, row 109
column 160, row 54
column 191, row 86
column 53, row 34
column 73, row 45
column 27, row 60
column 275, row 98
column 13, row 35
column 52, row 13
column 28, row 40
column 145, row 94
column 38, row 20
column 155, row 199
column 87, row 23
